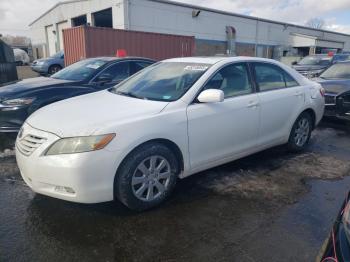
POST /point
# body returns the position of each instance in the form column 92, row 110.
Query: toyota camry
column 173, row 119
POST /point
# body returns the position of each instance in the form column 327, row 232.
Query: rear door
column 281, row 100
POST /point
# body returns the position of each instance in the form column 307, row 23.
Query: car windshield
column 165, row 81
column 57, row 55
column 337, row 71
column 342, row 57
column 315, row 60
column 81, row 70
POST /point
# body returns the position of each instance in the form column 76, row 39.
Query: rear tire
column 301, row 133
column 146, row 177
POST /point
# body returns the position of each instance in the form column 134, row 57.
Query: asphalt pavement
column 272, row 206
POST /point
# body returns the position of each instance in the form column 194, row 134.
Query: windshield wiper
column 129, row 94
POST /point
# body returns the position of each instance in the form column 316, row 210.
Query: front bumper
column 42, row 69
column 12, row 118
column 83, row 178
column 340, row 109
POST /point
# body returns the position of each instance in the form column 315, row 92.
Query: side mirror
column 211, row 96
column 294, row 63
column 103, row 79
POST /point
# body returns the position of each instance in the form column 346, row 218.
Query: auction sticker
column 196, row 68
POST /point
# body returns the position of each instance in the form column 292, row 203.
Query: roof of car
column 215, row 59
column 113, row 58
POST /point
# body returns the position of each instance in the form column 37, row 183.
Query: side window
column 233, row 80
column 115, row 73
column 138, row 65
column 290, row 81
column 269, row 77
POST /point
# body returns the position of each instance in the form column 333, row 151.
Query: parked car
column 313, row 65
column 173, row 119
column 50, row 65
column 341, row 57
column 336, row 81
column 21, row 57
column 19, row 100
column 337, row 246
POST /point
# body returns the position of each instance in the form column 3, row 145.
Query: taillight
column 322, row 91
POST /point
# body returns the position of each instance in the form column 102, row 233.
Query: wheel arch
column 168, row 143
column 55, row 64
column 312, row 113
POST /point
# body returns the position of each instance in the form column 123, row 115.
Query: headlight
column 79, row 144
column 40, row 63
column 18, row 101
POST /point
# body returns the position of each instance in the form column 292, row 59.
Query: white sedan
column 169, row 121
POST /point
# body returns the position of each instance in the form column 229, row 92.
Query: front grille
column 330, row 99
column 29, row 143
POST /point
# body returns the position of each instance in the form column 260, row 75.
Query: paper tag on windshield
column 196, row 68
column 93, row 66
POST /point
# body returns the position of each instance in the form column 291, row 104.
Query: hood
column 308, row 67
column 334, row 86
column 44, row 59
column 90, row 114
column 20, row 88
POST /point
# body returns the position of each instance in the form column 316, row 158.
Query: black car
column 20, row 99
column 337, row 246
column 313, row 65
column 336, row 81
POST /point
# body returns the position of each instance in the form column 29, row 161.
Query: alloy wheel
column 302, row 132
column 151, row 178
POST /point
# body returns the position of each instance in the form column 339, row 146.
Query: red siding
column 74, row 45
column 84, row 42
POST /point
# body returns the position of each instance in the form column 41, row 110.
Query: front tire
column 146, row 177
column 301, row 133
column 54, row 69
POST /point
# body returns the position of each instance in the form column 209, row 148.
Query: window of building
column 103, row 18
column 79, row 20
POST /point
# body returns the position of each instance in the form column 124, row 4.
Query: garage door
column 61, row 26
column 51, row 37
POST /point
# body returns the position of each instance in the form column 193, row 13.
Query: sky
column 15, row 15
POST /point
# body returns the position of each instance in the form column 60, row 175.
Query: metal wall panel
column 86, row 41
column 74, row 44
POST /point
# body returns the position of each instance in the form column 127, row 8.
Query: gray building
column 216, row 31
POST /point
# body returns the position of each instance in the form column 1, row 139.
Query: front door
column 219, row 131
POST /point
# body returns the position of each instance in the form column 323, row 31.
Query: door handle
column 252, row 104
